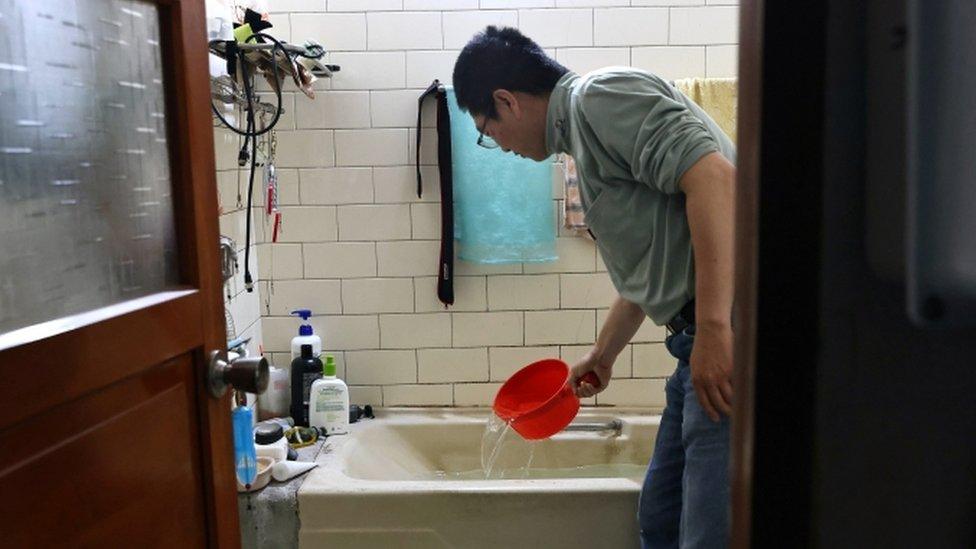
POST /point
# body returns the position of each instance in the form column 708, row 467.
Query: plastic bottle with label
column 328, row 403
column 305, row 336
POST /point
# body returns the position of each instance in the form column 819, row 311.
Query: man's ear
column 506, row 100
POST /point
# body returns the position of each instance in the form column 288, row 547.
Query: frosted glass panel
column 86, row 216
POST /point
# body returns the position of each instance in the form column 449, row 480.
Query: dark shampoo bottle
column 305, row 369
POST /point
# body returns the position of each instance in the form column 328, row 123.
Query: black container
column 268, row 433
column 304, row 370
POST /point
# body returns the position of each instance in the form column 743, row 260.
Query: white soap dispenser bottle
column 328, row 402
column 305, row 336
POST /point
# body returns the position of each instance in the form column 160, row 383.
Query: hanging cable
column 236, row 56
column 248, row 281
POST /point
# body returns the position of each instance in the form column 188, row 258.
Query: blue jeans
column 684, row 502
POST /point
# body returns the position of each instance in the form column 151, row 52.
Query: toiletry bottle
column 305, row 336
column 269, row 440
column 329, row 401
column 245, row 455
column 274, row 401
column 304, row 371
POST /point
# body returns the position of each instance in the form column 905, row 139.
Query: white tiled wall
column 360, row 248
column 243, row 308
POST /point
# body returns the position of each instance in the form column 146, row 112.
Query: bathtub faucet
column 590, row 426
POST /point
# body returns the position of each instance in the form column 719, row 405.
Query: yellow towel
column 716, row 96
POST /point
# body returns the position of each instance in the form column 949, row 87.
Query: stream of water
column 504, row 453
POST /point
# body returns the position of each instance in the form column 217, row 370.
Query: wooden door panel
column 114, row 465
column 114, row 347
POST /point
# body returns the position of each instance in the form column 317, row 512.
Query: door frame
column 748, row 141
column 779, row 223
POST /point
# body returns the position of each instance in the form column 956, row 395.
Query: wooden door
column 779, row 250
column 108, row 436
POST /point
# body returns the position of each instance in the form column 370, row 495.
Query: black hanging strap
column 434, row 88
column 445, row 266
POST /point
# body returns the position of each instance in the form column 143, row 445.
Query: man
column 658, row 186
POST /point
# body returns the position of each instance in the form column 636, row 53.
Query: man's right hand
column 589, row 363
column 620, row 326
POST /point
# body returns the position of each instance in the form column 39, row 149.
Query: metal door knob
column 248, row 374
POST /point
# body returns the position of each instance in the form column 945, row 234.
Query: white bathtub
column 393, row 482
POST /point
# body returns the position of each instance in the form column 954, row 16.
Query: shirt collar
column 557, row 115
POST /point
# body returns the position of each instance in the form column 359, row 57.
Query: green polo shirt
column 633, row 135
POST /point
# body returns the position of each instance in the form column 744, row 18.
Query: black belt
column 445, row 265
column 684, row 318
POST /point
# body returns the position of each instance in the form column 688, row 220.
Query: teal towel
column 503, row 209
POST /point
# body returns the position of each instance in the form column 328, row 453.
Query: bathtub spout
column 613, row 425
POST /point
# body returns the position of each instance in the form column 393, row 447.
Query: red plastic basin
column 537, row 401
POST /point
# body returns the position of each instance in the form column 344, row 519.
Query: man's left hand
column 711, row 369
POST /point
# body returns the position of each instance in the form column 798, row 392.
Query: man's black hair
column 502, row 58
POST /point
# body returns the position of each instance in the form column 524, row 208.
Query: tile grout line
column 669, row 26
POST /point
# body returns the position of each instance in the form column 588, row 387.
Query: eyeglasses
column 485, row 141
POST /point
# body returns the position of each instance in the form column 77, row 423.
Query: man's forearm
column 710, row 189
column 622, row 323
